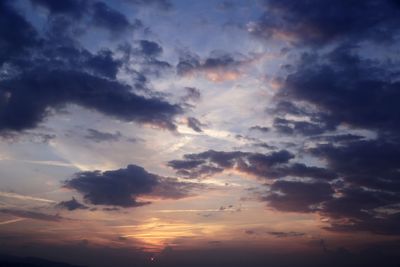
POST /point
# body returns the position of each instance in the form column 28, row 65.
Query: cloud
column 262, row 129
column 11, row 221
column 72, row 204
column 118, row 187
column 31, row 95
column 356, row 191
column 75, row 8
column 122, row 187
column 99, row 136
column 298, row 196
column 265, row 145
column 97, row 13
column 25, row 197
column 106, row 17
column 273, row 165
column 172, row 188
column 32, row 215
column 286, row 234
column 339, row 138
column 150, row 48
column 368, row 192
column 345, row 88
column 369, row 163
column 341, row 86
column 41, row 62
column 26, row 98
column 194, row 124
column 192, row 94
column 144, row 54
column 318, row 23
column 290, row 127
column 217, row 68
column 18, row 36
column 162, row 4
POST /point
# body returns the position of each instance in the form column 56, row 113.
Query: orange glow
column 157, row 233
column 221, row 76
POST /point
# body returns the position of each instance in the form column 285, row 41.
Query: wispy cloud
column 12, row 221
column 24, row 197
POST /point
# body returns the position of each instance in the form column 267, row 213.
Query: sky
column 200, row 133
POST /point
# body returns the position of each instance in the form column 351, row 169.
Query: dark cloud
column 339, row 138
column 262, row 129
column 298, row 196
column 99, row 136
column 369, row 185
column 194, row 124
column 302, row 170
column 286, row 234
column 18, row 37
column 162, row 4
column 104, row 64
column 97, row 12
column 192, row 94
column 366, row 192
column 289, row 127
column 265, row 145
column 361, row 209
column 52, row 72
column 150, row 48
column 387, row 225
column 272, row 165
column 72, row 204
column 342, row 87
column 357, row 203
column 215, row 67
column 172, row 188
column 117, row 188
column 346, row 88
column 34, row 137
column 75, row 8
column 368, row 163
column 219, row 61
column 284, row 107
column 317, row 23
column 109, row 18
column 145, row 55
column 122, row 187
column 27, row 101
column 187, row 62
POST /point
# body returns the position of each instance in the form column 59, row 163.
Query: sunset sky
column 200, row 133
